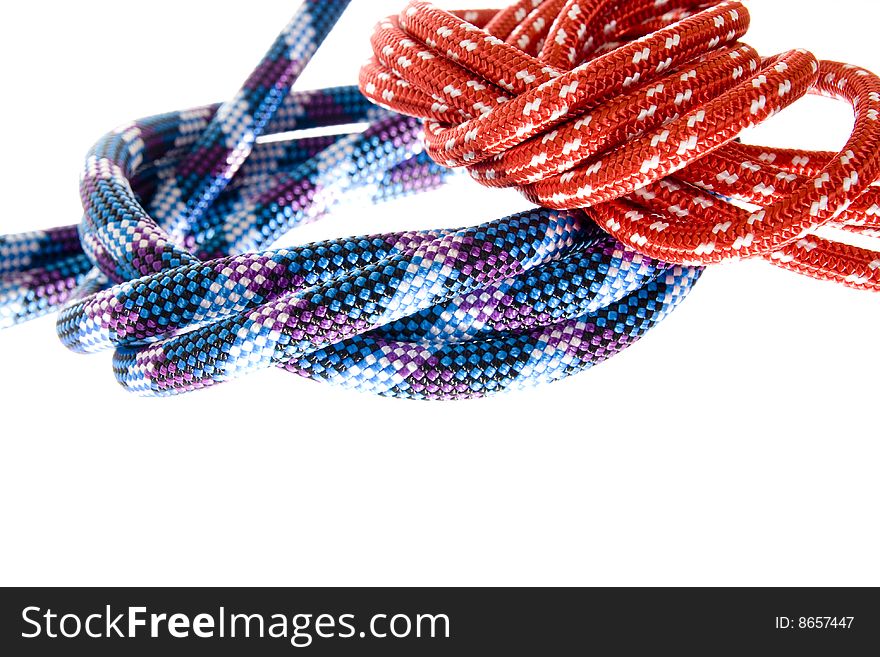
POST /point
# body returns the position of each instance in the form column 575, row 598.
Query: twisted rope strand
column 630, row 110
column 179, row 207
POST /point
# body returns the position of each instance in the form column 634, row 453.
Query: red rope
column 631, row 109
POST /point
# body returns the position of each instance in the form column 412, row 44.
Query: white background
column 738, row 443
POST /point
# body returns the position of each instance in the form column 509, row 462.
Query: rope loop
column 631, row 110
column 172, row 265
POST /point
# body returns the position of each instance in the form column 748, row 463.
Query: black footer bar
column 423, row 621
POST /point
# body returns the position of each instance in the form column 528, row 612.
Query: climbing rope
column 168, row 265
column 632, row 109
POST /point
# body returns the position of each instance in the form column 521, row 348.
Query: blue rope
column 170, row 267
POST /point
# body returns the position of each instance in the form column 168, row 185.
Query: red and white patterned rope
column 632, row 109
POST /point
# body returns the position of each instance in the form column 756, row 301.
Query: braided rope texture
column 169, row 268
column 632, row 109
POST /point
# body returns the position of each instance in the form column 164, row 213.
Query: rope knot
column 631, row 110
column 171, row 268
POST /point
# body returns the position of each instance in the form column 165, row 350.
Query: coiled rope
column 167, row 265
column 631, row 109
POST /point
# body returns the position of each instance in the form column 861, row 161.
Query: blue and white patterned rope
column 180, row 207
